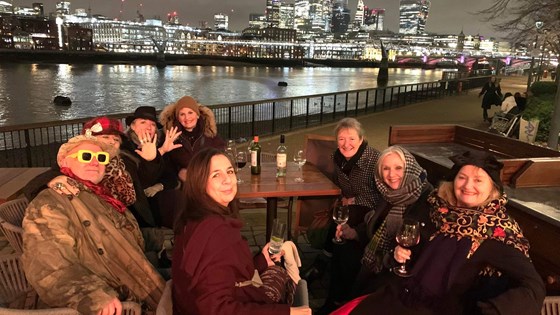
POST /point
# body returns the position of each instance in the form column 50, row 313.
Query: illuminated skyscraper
column 359, row 17
column 38, row 8
column 273, row 12
column 413, row 16
column 287, row 15
column 257, row 20
column 63, row 8
column 221, row 21
column 302, row 22
column 340, row 17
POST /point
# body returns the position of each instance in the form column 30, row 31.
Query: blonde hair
column 390, row 150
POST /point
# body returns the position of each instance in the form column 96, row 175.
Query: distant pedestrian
column 520, row 100
column 492, row 96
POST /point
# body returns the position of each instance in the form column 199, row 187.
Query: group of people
column 472, row 257
column 88, row 231
column 491, row 94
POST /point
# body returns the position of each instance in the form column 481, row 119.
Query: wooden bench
column 531, row 177
column 524, row 164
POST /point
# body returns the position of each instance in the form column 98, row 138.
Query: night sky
column 446, row 16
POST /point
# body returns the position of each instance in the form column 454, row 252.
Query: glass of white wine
column 340, row 217
column 299, row 159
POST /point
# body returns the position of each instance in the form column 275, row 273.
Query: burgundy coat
column 209, row 258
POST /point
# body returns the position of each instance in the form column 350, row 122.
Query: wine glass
column 241, row 161
column 407, row 237
column 340, row 216
column 299, row 159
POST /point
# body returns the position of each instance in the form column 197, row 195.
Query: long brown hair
column 197, row 203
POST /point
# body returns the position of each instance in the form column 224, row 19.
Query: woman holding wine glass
column 213, row 269
column 354, row 162
column 476, row 260
column 404, row 186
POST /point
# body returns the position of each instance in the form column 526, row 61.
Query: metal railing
column 37, row 144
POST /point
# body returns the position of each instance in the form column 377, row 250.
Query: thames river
column 27, row 90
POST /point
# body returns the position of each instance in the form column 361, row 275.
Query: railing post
column 346, row 105
column 334, row 108
column 28, row 148
column 357, row 101
column 322, row 108
column 253, row 120
column 273, row 117
column 230, row 122
column 366, row 109
column 291, row 122
column 307, row 112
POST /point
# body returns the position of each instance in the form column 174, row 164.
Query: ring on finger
column 58, row 186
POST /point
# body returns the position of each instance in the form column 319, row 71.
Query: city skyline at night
column 445, row 17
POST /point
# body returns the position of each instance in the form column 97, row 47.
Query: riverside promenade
column 461, row 109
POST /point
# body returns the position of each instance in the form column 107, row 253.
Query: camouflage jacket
column 80, row 253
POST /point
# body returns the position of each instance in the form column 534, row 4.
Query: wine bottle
column 281, row 158
column 256, row 156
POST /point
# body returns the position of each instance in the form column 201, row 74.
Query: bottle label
column 281, row 159
column 254, row 158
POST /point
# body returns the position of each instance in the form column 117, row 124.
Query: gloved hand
column 153, row 190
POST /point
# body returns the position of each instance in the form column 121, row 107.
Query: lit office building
column 374, row 19
column 63, row 8
column 287, row 15
column 273, row 13
column 38, row 8
column 5, row 7
column 413, row 16
column 359, row 16
column 302, row 23
column 221, row 21
column 257, row 20
column 320, row 13
column 340, row 17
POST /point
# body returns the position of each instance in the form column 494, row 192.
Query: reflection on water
column 27, row 90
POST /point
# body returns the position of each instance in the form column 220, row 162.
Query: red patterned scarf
column 96, row 189
column 486, row 222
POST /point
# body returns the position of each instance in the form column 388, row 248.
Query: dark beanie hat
column 484, row 160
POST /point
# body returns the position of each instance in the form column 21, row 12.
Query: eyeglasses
column 85, row 156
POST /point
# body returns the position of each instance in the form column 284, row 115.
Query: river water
column 27, row 90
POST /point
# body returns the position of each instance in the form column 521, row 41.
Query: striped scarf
column 413, row 184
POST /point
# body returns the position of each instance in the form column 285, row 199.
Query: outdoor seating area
column 526, row 175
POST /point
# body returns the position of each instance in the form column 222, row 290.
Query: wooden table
column 266, row 185
column 12, row 180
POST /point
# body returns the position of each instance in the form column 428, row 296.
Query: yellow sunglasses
column 85, row 156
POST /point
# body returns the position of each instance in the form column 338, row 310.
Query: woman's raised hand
column 170, row 136
column 148, row 150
